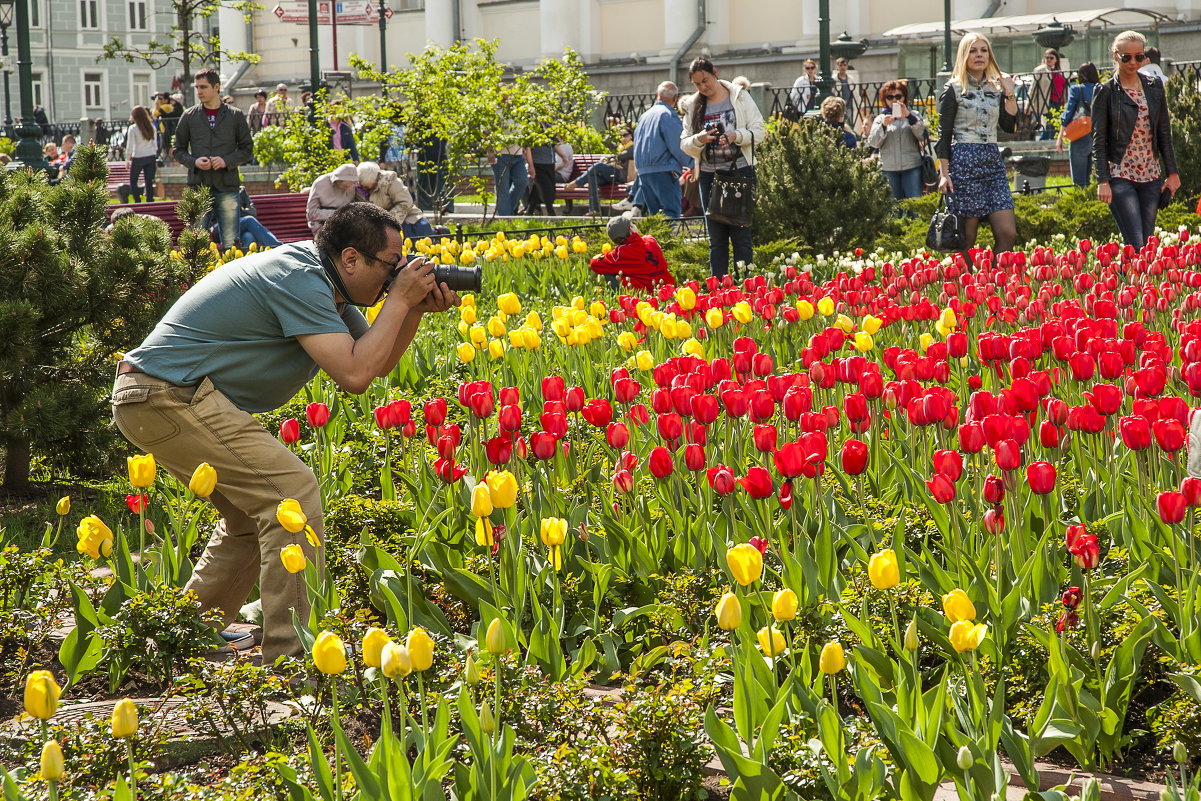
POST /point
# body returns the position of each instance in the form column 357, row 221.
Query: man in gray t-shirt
column 246, row 338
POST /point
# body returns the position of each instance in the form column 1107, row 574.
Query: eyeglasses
column 1125, row 57
column 810, row 69
column 894, row 97
column 391, row 265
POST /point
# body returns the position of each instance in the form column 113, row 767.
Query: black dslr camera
column 460, row 278
column 715, row 128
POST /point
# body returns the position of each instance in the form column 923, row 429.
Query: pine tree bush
column 72, row 298
column 813, row 189
column 1184, row 106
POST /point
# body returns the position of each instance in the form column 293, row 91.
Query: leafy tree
column 813, row 189
column 303, row 147
column 185, row 43
column 72, row 297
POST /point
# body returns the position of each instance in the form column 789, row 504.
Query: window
column 93, row 90
column 37, row 90
column 137, row 15
column 89, row 14
column 141, row 90
column 408, row 5
column 35, row 13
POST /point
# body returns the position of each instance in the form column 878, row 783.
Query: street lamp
column 7, row 8
column 28, row 152
column 1054, row 36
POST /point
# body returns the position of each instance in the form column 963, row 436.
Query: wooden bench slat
column 282, row 214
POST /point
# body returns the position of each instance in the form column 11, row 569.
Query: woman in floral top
column 1131, row 134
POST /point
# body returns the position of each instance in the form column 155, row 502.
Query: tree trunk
column 16, row 466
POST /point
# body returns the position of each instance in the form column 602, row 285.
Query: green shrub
column 1177, row 718
column 665, row 747
column 157, row 632
column 816, row 191
column 1184, row 105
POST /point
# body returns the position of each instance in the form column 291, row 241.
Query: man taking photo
column 244, row 339
column 211, row 140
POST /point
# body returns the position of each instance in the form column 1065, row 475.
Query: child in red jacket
column 636, row 261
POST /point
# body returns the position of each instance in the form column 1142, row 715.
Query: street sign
column 350, row 12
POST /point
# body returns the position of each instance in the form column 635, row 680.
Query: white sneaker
column 624, row 205
column 634, row 213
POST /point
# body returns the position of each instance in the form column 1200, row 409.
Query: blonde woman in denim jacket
column 976, row 102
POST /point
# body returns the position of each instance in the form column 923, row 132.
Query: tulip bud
column 729, row 612
column 911, row 641
column 63, row 507
column 471, row 673
column 487, row 721
column 421, row 649
column 394, row 661
column 52, row 761
column 373, row 645
column 204, row 481
column 1095, row 650
column 495, row 640
column 41, row 695
column 832, row 659
column 964, row 759
column 124, row 721
column 329, row 654
column 1179, row 753
column 293, row 558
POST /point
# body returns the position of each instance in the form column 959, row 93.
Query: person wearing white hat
column 329, row 193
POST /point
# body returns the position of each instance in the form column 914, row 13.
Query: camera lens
column 460, row 278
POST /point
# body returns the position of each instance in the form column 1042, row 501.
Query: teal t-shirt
column 238, row 326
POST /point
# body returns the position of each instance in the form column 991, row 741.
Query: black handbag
column 929, row 170
column 946, row 233
column 732, row 197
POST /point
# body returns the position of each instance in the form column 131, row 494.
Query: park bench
column 582, row 161
column 282, row 214
column 118, row 173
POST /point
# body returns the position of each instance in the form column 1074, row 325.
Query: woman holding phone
column 898, row 135
column 1131, row 135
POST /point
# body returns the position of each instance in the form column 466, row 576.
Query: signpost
column 350, row 12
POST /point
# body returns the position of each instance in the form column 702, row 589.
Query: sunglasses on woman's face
column 810, row 69
column 1125, row 57
column 894, row 97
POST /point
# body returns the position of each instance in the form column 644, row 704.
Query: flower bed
column 857, row 529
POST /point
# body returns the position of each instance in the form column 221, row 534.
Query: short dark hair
column 359, row 225
column 1153, row 55
column 1087, row 72
column 210, row 75
column 261, row 93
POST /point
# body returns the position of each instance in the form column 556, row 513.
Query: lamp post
column 28, row 152
column 6, row 18
column 825, row 79
column 1055, row 36
column 946, row 36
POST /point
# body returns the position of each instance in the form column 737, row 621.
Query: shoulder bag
column 732, row 197
column 929, row 168
column 946, row 233
column 1082, row 124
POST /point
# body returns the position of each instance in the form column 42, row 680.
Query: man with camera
column 245, row 339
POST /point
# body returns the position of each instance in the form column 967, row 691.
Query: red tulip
column 971, row 438
column 553, row 388
column 721, row 479
column 735, row 402
column 994, row 520
column 1105, row 398
column 628, row 461
column 670, row 426
column 435, row 411
column 994, row 489
column 1072, row 597
column 555, row 423
column 446, row 447
column 499, row 450
column 1171, row 506
column 854, row 405
column 757, row 483
column 694, row 457
column 660, row 462
column 317, row 414
column 1073, row 533
column 508, row 396
column 383, row 418
column 639, row 415
column 765, row 437
column 949, row 463
column 854, row 457
column 1190, row 488
column 1008, row 455
column 1048, row 434
column 1041, row 477
column 597, row 412
column 137, row 503
column 289, row 430
column 623, row 481
column 617, row 435
column 790, row 459
column 626, row 389
column 942, row 488
column 400, row 413
column 573, row 398
column 705, row 408
column 759, row 543
column 763, row 405
column 1086, row 551
column 785, row 496
column 481, row 404
column 449, row 471
column 510, row 417
column 1170, row 435
column 542, row 444
column 1135, row 431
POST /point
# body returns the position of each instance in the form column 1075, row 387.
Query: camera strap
column 335, row 278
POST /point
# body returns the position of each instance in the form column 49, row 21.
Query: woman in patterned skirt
column 977, row 101
column 1131, row 133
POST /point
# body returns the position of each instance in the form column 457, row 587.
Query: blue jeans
column 417, row 230
column 722, row 235
column 596, row 176
column 225, row 205
column 142, row 167
column 1081, row 156
column 252, row 232
column 660, row 191
column 511, row 180
column 1134, row 207
column 904, row 183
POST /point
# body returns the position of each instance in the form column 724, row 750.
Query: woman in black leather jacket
column 1131, row 135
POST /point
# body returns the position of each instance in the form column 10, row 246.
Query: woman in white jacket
column 721, row 125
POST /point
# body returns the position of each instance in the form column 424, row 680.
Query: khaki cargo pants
column 184, row 426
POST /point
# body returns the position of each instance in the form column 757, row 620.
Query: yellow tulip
column 94, row 538
column 728, row 611
column 745, row 562
column 204, row 481
column 373, row 646
column 627, row 340
column 645, row 360
column 394, row 661
column 63, row 507
column 844, row 323
column 466, row 352
column 686, row 298
column 478, row 335
column 502, row 488
column 883, row 570
column 966, row 636
column 864, row 342
column 494, row 642
column 496, row 328
column 329, row 654
column 468, row 315
column 924, row 341
column 668, row 328
column 784, row 605
column 487, row 721
column 597, row 309
column 530, row 339
column 41, row 694
column 125, row 719
column 947, row 318
column 742, row 312
column 825, row 306
column 561, row 251
column 805, row 310
column 293, row 558
column 714, row 318
column 471, row 672
column 832, row 659
column 554, row 534
column 481, row 501
column 496, row 348
column 693, row 347
column 508, row 303
column 464, row 329
column 483, row 533
column 606, row 248
column 872, row 324
column 141, row 470
column 468, row 257
column 683, row 329
column 517, row 337
column 52, row 761
column 421, row 649
column 290, row 516
column 957, row 606
column 467, row 300
column 771, row 641
column 533, row 321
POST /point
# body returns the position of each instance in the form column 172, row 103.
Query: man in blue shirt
column 657, row 154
